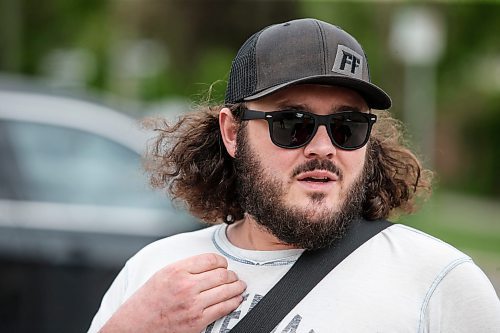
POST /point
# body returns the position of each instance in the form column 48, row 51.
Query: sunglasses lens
column 350, row 131
column 292, row 129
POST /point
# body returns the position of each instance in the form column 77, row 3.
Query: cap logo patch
column 348, row 62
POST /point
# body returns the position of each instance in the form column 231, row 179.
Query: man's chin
column 325, row 198
column 316, row 209
column 316, row 214
column 317, row 197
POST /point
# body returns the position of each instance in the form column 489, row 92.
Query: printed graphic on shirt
column 225, row 324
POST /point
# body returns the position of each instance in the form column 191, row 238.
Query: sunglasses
column 348, row 130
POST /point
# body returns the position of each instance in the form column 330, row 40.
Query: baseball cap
column 301, row 51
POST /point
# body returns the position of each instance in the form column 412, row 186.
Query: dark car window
column 68, row 165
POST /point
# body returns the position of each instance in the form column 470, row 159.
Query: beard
column 263, row 197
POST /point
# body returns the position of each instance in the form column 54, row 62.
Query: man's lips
column 317, row 176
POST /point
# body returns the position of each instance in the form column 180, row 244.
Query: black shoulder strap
column 307, row 272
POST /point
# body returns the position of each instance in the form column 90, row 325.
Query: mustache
column 316, row 164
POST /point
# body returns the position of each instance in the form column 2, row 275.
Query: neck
column 249, row 235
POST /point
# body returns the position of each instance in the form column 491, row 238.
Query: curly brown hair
column 189, row 160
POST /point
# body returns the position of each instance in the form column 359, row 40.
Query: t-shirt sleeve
column 112, row 300
column 462, row 300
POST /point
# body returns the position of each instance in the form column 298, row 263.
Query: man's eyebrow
column 295, row 106
column 341, row 108
column 304, row 107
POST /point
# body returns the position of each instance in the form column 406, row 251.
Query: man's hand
column 183, row 297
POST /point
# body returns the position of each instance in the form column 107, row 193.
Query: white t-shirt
column 401, row 280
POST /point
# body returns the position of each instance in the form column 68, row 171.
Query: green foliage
column 466, row 222
column 213, row 68
column 481, row 139
column 51, row 24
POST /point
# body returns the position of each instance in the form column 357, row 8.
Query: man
column 289, row 162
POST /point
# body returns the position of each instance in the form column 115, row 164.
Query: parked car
column 74, row 205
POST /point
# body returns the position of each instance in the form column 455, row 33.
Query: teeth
column 316, row 179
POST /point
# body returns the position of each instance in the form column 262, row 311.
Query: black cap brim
column 375, row 97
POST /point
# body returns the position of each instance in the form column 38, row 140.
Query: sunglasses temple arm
column 251, row 114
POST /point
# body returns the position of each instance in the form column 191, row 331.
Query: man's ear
column 229, row 130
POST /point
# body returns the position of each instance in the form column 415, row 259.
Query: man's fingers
column 203, row 262
column 214, row 278
column 221, row 293
column 219, row 310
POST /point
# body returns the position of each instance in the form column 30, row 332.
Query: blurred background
column 77, row 75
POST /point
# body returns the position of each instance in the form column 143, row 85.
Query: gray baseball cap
column 301, row 51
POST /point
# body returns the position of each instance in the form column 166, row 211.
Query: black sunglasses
column 348, row 130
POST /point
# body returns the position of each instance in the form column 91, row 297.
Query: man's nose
column 321, row 145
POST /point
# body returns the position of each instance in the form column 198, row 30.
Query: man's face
column 305, row 193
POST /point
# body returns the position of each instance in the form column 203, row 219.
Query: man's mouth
column 318, row 180
column 317, row 176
